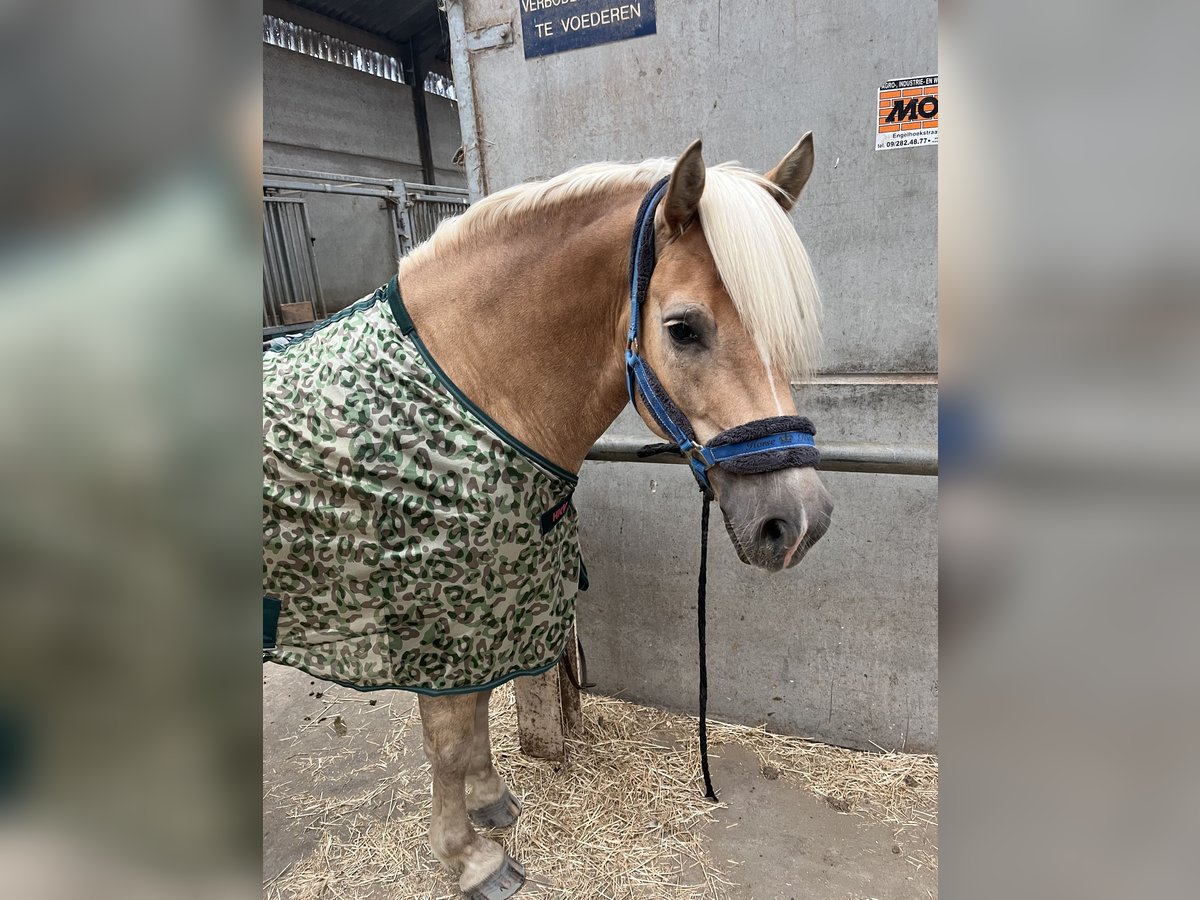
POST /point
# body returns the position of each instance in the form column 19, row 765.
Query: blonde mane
column 758, row 255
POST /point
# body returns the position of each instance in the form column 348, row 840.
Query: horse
column 422, row 446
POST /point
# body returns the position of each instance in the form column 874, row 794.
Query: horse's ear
column 684, row 190
column 792, row 172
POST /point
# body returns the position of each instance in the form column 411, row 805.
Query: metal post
column 460, row 65
column 404, row 219
column 397, row 235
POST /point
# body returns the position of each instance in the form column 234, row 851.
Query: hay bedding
column 621, row 819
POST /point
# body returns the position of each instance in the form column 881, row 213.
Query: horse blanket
column 408, row 540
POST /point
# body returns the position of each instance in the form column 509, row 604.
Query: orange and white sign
column 908, row 113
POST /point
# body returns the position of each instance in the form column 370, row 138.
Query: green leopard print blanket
column 408, row 541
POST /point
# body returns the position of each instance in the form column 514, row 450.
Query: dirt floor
column 345, row 798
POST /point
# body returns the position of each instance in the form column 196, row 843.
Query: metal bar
column 414, row 187
column 298, row 255
column 394, row 219
column 266, row 293
column 280, row 261
column 271, row 312
column 280, row 171
column 884, row 459
column 400, row 222
column 268, row 285
column 310, row 246
column 287, row 274
column 464, row 87
column 277, row 185
column 438, row 198
column 420, row 221
column 272, row 262
column 405, row 211
column 294, row 282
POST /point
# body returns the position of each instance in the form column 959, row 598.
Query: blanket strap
column 581, row 683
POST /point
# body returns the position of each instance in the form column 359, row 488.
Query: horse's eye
column 681, row 333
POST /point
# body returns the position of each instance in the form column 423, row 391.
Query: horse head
column 729, row 320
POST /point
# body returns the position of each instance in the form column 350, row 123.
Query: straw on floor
column 622, row 818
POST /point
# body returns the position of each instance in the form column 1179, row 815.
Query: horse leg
column 490, row 804
column 485, row 871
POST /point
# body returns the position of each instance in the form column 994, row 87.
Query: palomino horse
column 418, row 561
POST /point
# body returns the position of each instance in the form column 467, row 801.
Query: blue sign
column 552, row 26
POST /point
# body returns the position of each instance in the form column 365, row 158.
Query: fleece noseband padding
column 768, row 460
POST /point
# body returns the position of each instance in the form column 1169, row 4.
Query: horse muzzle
column 773, row 518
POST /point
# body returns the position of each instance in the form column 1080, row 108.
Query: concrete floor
column 787, row 843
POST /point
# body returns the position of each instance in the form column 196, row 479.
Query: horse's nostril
column 774, row 529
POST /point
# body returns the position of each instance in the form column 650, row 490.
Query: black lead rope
column 581, row 682
column 701, row 591
column 701, row 596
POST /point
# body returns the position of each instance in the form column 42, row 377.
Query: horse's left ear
column 792, row 172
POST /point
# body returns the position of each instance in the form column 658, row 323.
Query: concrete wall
column 329, row 118
column 845, row 649
column 445, row 137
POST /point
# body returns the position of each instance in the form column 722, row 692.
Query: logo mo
column 908, row 111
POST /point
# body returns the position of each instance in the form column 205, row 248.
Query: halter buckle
column 695, row 453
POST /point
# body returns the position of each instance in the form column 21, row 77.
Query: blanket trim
column 282, row 342
column 428, row 692
column 404, row 320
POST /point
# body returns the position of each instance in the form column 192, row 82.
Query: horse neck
column 529, row 320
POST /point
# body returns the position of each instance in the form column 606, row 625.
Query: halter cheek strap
column 764, row 445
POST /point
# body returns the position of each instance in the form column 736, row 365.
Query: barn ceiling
column 396, row 20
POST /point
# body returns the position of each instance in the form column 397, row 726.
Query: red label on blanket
column 555, row 514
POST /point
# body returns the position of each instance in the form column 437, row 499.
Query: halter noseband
column 763, row 445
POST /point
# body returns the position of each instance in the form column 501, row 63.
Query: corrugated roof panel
column 397, row 20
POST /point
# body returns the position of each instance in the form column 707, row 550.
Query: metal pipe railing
column 358, row 190
column 326, row 176
column 884, row 459
column 440, row 192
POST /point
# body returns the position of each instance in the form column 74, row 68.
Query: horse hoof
column 500, row 814
column 501, row 884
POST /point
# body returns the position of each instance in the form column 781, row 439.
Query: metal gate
column 292, row 293
column 291, row 283
column 424, row 207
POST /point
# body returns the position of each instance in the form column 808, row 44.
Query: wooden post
column 548, row 708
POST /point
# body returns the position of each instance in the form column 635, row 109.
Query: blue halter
column 764, row 445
